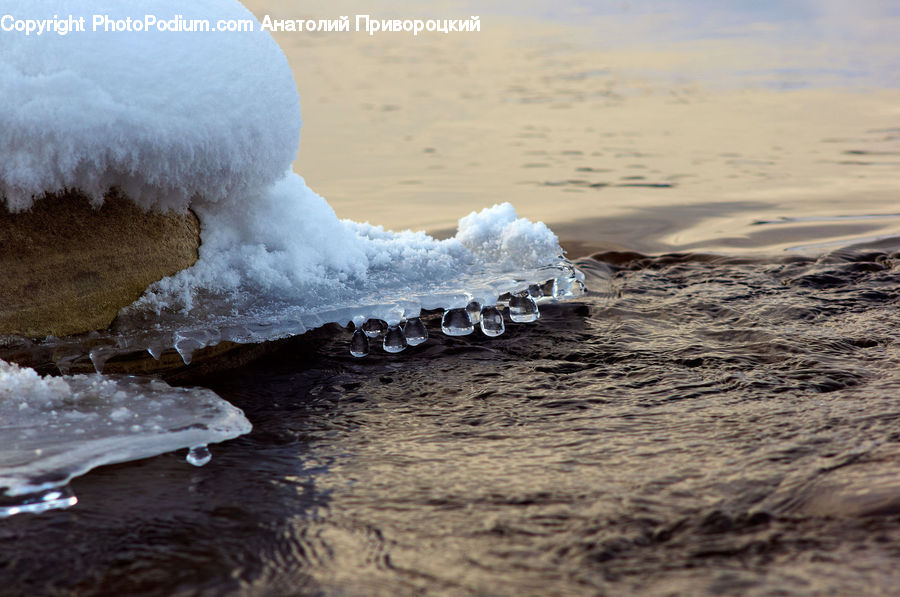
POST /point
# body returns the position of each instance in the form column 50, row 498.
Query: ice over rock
column 211, row 121
column 290, row 265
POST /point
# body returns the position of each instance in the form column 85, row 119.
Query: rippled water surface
column 715, row 424
column 721, row 420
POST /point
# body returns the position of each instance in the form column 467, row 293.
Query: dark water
column 716, row 426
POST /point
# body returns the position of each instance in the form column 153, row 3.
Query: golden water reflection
column 415, row 132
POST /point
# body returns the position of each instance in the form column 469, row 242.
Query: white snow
column 167, row 117
column 287, row 243
column 54, row 428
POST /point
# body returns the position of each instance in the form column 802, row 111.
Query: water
column 723, row 424
column 718, row 416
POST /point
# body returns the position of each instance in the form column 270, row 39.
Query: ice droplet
column 198, row 455
column 186, row 348
column 41, row 501
column 155, row 351
column 456, row 322
column 394, row 340
column 415, row 331
column 523, row 309
column 492, row 322
column 374, row 327
column 359, row 344
column 99, row 355
column 474, row 311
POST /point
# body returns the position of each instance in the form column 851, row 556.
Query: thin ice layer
column 212, row 120
column 56, row 428
column 283, row 263
column 166, row 117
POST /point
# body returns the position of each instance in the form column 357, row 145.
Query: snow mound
column 165, row 116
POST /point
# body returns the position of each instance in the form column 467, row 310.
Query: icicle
column 99, row 355
column 492, row 321
column 456, row 322
column 394, row 340
column 155, row 351
column 415, row 331
column 523, row 309
column 186, row 348
column 374, row 328
column 199, row 455
column 359, row 344
column 474, row 311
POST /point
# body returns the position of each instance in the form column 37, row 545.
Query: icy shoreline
column 211, row 122
column 56, row 428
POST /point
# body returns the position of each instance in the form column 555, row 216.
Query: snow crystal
column 166, row 117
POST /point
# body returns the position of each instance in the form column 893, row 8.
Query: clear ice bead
column 374, row 327
column 415, row 331
column 474, row 311
column 523, row 309
column 492, row 321
column 359, row 344
column 456, row 322
column 394, row 340
column 198, row 455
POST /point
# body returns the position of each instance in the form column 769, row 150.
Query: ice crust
column 282, row 263
column 167, row 117
column 55, row 428
column 208, row 121
column 211, row 121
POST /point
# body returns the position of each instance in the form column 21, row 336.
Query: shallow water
column 723, row 420
column 719, row 424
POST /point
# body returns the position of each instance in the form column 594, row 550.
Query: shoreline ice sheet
column 209, row 121
column 55, row 428
column 287, row 265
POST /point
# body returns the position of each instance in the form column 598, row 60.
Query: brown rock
column 67, row 267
